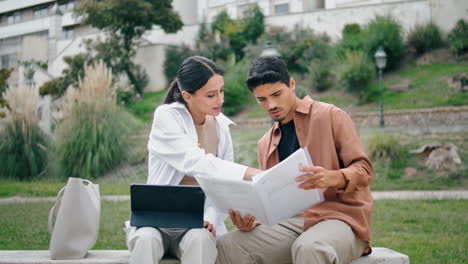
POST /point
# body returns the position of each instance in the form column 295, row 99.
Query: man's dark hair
column 267, row 70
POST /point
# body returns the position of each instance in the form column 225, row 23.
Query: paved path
column 386, row 195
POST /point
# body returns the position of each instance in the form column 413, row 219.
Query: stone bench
column 378, row 256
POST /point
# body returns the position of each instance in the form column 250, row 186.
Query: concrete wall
column 332, row 21
column 446, row 13
column 34, row 48
column 151, row 58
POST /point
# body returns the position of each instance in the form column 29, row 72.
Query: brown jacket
column 333, row 143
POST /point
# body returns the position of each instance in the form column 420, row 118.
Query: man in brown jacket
column 334, row 231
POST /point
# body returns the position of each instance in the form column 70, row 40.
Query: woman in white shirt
column 189, row 137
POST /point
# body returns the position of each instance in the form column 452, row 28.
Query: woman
column 189, row 137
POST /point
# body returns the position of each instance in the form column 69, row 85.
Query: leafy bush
column 351, row 29
column 55, row 87
column 23, row 145
column 236, row 94
column 94, row 135
column 458, row 37
column 4, row 75
column 356, row 73
column 175, row 55
column 386, row 32
column 423, row 38
column 319, row 73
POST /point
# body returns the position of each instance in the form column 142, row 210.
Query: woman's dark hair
column 193, row 74
column 267, row 70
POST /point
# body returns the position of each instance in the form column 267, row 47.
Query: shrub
column 236, row 94
column 383, row 146
column 458, row 37
column 175, row 55
column 55, row 87
column 94, row 135
column 351, row 29
column 356, row 73
column 319, row 73
column 23, row 145
column 4, row 75
column 423, row 38
column 386, row 32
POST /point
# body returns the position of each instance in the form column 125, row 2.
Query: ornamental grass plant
column 94, row 135
column 23, row 144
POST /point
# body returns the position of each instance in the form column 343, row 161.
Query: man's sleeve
column 357, row 168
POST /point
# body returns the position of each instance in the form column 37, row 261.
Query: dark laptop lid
column 166, row 206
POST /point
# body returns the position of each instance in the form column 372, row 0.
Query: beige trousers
column 146, row 246
column 330, row 241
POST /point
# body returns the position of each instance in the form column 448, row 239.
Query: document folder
column 166, row 206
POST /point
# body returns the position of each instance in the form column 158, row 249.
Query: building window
column 281, row 9
column 8, row 61
column 67, row 6
column 41, row 12
column 69, row 33
column 14, row 18
column 243, row 10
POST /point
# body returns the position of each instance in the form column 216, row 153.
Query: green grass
column 429, row 88
column 426, row 231
column 144, row 109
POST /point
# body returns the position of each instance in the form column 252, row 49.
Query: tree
column 126, row 21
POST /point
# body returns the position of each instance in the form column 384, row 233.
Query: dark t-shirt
column 288, row 142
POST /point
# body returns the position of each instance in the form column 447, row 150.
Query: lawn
column 427, row 231
column 144, row 108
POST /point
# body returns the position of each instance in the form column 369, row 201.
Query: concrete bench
column 378, row 256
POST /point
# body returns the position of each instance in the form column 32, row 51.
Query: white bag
column 77, row 210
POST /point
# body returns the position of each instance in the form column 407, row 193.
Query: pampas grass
column 23, row 145
column 94, row 134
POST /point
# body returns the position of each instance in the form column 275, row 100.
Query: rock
column 458, row 82
column 439, row 154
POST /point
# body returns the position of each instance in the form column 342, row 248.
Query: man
column 334, row 231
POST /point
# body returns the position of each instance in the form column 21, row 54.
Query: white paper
column 271, row 197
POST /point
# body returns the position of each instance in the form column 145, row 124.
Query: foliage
column 384, row 146
column 423, row 38
column 351, row 29
column 239, row 33
column 356, row 73
column 93, row 137
column 126, row 21
column 385, row 31
column 297, row 47
column 458, row 37
column 23, row 145
column 319, row 75
column 75, row 69
column 236, row 95
column 55, row 87
column 4, row 75
column 175, row 55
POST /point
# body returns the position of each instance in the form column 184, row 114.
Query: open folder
column 271, row 197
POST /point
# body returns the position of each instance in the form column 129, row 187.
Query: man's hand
column 318, row 177
column 249, row 173
column 246, row 224
column 210, row 228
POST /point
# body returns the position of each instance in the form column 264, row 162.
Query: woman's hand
column 246, row 224
column 210, row 227
column 249, row 173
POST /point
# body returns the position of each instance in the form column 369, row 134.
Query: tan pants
column 330, row 241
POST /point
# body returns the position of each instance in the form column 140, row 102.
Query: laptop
column 166, row 206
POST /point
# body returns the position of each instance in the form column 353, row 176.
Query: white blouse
column 174, row 152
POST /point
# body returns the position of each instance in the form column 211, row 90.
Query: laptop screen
column 166, row 206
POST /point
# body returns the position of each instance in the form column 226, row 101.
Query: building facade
column 46, row 30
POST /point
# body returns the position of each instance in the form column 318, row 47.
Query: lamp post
column 269, row 51
column 381, row 61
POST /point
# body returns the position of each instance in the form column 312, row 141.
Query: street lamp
column 269, row 51
column 381, row 61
